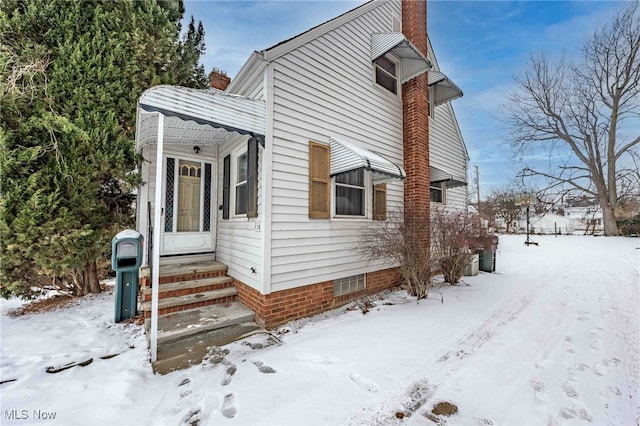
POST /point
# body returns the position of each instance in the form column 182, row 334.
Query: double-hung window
column 387, row 74
column 240, row 183
column 350, row 193
column 437, row 192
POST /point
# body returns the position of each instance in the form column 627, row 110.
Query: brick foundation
column 286, row 305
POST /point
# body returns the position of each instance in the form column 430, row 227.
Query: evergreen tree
column 71, row 73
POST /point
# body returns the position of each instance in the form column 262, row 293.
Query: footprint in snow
column 572, row 413
column 229, row 370
column 229, row 409
column 365, row 384
column 192, row 418
column 570, row 391
column 187, row 403
column 539, row 388
column 185, row 388
column 263, row 368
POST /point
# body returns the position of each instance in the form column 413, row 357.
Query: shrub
column 630, row 226
column 400, row 244
column 455, row 236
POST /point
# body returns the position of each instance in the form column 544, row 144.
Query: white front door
column 189, row 216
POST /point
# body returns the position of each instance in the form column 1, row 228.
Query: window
column 348, row 285
column 386, row 74
column 437, row 192
column 350, row 193
column 396, row 24
column 241, row 184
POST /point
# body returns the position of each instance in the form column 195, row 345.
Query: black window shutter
column 252, row 177
column 226, row 183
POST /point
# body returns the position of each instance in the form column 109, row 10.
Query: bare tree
column 585, row 113
column 503, row 205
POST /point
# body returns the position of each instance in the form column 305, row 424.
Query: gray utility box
column 126, row 258
column 488, row 256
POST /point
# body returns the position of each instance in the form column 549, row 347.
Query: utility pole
column 478, row 186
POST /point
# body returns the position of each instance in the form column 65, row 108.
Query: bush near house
column 455, row 237
column 629, row 227
column 399, row 243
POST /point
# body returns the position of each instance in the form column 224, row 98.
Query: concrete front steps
column 197, row 309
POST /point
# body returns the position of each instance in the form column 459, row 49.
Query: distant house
column 256, row 194
column 553, row 224
column 587, row 211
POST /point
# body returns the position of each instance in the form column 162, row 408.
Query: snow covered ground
column 551, row 338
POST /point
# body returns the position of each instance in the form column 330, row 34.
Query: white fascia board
column 251, row 71
column 304, row 38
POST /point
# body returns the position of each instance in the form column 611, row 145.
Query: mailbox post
column 126, row 258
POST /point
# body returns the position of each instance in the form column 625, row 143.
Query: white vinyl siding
column 239, row 242
column 325, row 89
column 446, row 151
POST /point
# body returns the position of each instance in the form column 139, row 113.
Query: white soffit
column 414, row 62
column 345, row 157
column 197, row 116
column 437, row 175
column 441, row 88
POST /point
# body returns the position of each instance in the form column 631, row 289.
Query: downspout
column 157, row 219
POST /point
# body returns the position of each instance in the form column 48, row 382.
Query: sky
column 480, row 45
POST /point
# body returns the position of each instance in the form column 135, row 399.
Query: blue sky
column 480, row 45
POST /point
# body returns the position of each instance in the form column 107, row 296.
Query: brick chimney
column 218, row 79
column 415, row 121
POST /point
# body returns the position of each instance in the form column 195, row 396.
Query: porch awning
column 345, row 157
column 414, row 62
column 197, row 116
column 441, row 88
column 437, row 175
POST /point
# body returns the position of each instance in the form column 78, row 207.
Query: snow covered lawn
column 552, row 338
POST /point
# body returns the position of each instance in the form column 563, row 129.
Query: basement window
column 348, row 285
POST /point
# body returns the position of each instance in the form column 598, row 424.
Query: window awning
column 346, row 156
column 414, row 62
column 441, row 88
column 437, row 175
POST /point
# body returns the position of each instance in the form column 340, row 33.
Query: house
column 448, row 155
column 255, row 195
column 551, row 223
column 587, row 211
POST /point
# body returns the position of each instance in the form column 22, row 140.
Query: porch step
column 182, row 303
column 185, row 338
column 176, row 272
column 184, row 288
